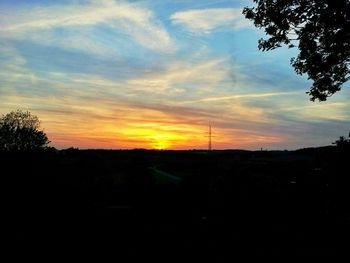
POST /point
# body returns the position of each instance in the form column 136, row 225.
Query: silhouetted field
column 189, row 205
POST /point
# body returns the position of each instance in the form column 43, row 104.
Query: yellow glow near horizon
column 160, row 141
column 156, row 139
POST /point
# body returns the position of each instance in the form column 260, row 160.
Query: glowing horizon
column 154, row 74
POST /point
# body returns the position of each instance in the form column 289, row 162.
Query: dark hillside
column 202, row 205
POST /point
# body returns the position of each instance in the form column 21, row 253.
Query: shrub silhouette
column 342, row 141
column 19, row 131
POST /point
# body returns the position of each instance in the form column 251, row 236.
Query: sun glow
column 160, row 141
column 156, row 138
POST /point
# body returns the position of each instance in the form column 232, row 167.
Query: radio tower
column 209, row 138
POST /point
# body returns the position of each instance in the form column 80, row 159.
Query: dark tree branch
column 322, row 30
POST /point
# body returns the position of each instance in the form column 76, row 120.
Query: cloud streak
column 242, row 96
column 43, row 25
column 205, row 21
column 180, row 74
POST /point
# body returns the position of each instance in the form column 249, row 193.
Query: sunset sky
column 154, row 74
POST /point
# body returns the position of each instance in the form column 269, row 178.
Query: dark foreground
column 177, row 205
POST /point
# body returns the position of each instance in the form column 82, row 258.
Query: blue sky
column 155, row 74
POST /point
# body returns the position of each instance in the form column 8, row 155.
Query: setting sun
column 157, row 138
column 160, row 142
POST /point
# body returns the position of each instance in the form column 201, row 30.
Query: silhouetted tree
column 342, row 142
column 320, row 29
column 19, row 131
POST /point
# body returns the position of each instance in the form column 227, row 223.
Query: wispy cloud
column 241, row 96
column 204, row 21
column 336, row 111
column 45, row 25
column 180, row 74
column 13, row 69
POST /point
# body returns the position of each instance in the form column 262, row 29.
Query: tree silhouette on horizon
column 20, row 131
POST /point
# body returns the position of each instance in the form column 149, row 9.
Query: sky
column 155, row 74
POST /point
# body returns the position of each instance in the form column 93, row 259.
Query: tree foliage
column 19, row 131
column 321, row 31
column 343, row 142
